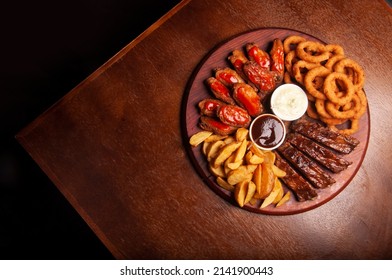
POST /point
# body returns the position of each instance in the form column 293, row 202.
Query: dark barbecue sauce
column 267, row 131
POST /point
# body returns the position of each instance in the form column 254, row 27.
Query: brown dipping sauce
column 267, row 131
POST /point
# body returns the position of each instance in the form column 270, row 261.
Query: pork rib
column 320, row 154
column 325, row 136
column 306, row 166
column 302, row 189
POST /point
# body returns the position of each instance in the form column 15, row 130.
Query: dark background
column 47, row 48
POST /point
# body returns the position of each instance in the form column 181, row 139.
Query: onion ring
column 309, row 79
column 311, row 51
column 330, row 87
column 358, row 78
column 334, row 50
column 300, row 68
column 311, row 111
column 337, row 111
column 354, row 126
column 291, row 43
column 362, row 98
column 320, row 107
column 289, row 60
column 332, row 61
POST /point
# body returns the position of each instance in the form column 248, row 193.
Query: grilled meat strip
column 302, row 189
column 305, row 165
column 324, row 135
column 320, row 154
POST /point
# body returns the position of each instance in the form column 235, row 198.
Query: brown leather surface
column 114, row 146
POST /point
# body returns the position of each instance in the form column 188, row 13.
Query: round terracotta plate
column 196, row 91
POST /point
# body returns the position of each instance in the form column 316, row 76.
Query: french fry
column 224, row 184
column 225, row 152
column 199, row 137
column 284, row 199
column 256, row 151
column 229, row 140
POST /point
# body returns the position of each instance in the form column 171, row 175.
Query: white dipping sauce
column 289, row 102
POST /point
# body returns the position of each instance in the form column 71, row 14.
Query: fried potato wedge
column 272, row 196
column 250, row 192
column 224, row 184
column 241, row 134
column 255, row 159
column 217, row 171
column 225, row 152
column 278, row 172
column 199, row 137
column 213, row 149
column 240, row 152
column 267, row 181
column 214, row 138
column 240, row 192
column 278, row 184
column 284, row 199
column 238, row 175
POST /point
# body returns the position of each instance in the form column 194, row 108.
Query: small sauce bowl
column 267, row 132
column 289, row 102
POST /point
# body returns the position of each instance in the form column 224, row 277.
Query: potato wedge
column 225, row 152
column 256, row 151
column 240, row 192
column 199, row 137
column 214, row 138
column 224, row 184
column 255, row 159
column 248, row 156
column 241, row 134
column 238, row 175
column 267, row 181
column 284, row 199
column 257, row 175
column 271, row 197
column 235, row 165
column 250, row 192
column 240, row 152
column 269, row 157
column 278, row 172
column 213, row 149
column 217, row 171
column 278, row 184
column 229, row 140
column 205, row 148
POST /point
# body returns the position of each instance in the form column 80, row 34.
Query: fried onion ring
column 332, row 61
column 310, row 78
column 334, row 50
column 358, row 78
column 320, row 107
column 354, row 126
column 312, row 51
column 289, row 60
column 300, row 68
column 330, row 87
column 362, row 98
column 291, row 43
column 338, row 112
column 311, row 111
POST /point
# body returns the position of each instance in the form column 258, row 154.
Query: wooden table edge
column 23, row 141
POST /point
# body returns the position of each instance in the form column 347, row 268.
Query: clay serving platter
column 197, row 91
